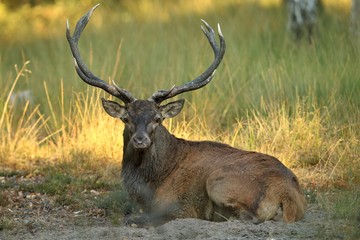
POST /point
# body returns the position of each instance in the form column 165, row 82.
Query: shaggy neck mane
column 143, row 170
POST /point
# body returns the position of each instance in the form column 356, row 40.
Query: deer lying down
column 176, row 178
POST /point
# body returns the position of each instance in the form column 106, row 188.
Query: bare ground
column 62, row 224
column 26, row 215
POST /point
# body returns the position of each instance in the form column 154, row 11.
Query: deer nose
column 141, row 141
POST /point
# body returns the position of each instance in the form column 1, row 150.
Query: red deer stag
column 176, row 178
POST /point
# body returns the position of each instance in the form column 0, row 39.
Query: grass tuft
column 117, row 204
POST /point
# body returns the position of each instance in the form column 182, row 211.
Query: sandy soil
column 316, row 225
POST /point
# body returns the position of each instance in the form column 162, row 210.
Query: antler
column 206, row 76
column 83, row 71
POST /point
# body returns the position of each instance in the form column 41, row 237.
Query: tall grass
column 297, row 102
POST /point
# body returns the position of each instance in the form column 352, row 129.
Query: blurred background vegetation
column 296, row 101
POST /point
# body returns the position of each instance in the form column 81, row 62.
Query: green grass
column 117, row 204
column 260, row 62
column 347, row 205
column 342, row 205
column 298, row 102
column 6, row 224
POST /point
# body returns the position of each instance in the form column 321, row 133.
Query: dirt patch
column 26, row 213
column 316, row 225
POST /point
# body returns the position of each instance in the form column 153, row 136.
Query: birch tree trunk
column 355, row 17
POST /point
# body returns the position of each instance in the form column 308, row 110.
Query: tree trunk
column 355, row 17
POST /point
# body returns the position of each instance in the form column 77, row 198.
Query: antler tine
column 206, row 76
column 83, row 71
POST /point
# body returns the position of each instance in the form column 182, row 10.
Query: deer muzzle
column 141, row 141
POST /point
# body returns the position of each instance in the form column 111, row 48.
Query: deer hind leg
column 269, row 209
column 294, row 206
column 247, row 198
column 287, row 197
column 237, row 197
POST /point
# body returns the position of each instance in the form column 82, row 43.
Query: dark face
column 142, row 117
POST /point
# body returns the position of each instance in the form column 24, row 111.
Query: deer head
column 142, row 117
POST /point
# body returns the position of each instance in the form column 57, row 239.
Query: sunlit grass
column 268, row 95
column 300, row 137
column 20, row 128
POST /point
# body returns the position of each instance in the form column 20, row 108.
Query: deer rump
column 175, row 178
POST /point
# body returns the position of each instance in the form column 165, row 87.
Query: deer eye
column 125, row 119
column 157, row 119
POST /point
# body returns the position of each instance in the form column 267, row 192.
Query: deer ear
column 172, row 109
column 113, row 108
